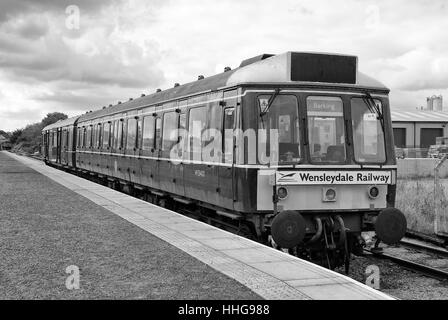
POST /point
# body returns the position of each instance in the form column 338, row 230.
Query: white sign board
column 333, row 177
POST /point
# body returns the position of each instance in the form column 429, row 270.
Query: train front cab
column 332, row 174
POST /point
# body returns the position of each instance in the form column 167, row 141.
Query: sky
column 54, row 59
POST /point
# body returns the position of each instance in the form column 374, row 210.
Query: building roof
column 418, row 116
column 3, row 138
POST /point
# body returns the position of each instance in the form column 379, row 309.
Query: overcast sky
column 123, row 48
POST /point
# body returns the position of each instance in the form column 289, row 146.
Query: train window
column 99, row 137
column 89, row 136
column 131, row 137
column 84, row 136
column 326, row 130
column 138, row 143
column 282, row 120
column 169, row 134
column 148, row 132
column 197, row 124
column 116, row 127
column 368, row 134
column 229, row 125
column 94, row 136
column 111, row 134
column 106, row 135
column 120, row 134
column 212, row 137
column 181, row 135
column 79, row 137
column 158, row 133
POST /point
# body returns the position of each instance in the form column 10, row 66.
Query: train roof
column 299, row 68
column 62, row 123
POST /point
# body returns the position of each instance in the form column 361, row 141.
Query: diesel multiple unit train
column 294, row 150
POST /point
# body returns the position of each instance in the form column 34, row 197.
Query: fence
column 422, row 194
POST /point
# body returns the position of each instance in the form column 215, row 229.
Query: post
column 436, row 194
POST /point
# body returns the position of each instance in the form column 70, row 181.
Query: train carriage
column 295, row 150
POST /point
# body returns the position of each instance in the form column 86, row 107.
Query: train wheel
column 246, row 231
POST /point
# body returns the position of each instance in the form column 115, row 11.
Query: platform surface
column 232, row 267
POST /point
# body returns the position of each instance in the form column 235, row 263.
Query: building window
column 400, row 137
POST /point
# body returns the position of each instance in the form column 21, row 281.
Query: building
column 419, row 128
column 4, row 143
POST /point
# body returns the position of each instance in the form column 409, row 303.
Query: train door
column 178, row 150
column 168, row 170
column 148, row 152
column 197, row 179
column 63, row 145
column 59, row 145
column 226, row 171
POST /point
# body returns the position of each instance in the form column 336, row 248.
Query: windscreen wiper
column 270, row 102
column 374, row 108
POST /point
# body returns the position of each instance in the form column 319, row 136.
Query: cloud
column 127, row 47
column 9, row 9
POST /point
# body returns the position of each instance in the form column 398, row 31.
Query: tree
column 15, row 135
column 52, row 118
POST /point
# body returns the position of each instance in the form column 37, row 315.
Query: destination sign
column 333, row 177
column 323, row 104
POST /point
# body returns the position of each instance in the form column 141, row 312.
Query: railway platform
column 127, row 248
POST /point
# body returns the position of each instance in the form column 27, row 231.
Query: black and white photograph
column 221, row 157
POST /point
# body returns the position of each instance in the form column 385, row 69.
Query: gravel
column 398, row 281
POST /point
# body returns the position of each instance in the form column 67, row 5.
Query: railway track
column 424, row 247
column 420, row 267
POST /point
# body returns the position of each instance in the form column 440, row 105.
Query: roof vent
column 255, row 59
column 227, row 69
column 176, row 85
column 130, row 99
column 143, row 95
column 201, row 77
column 119, row 102
column 159, row 90
column 110, row 105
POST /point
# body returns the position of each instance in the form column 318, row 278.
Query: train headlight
column 374, row 192
column 329, row 194
column 282, row 193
